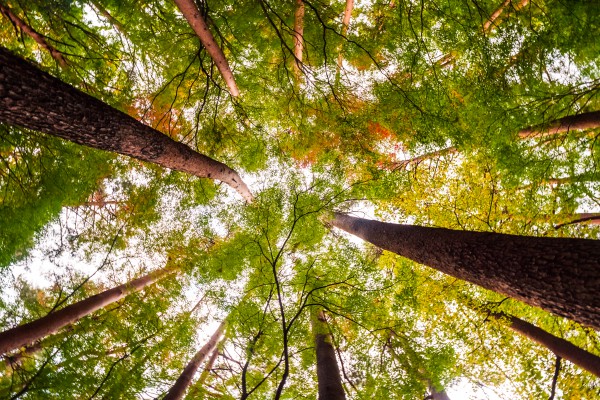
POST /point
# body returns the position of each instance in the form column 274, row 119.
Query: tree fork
column 191, row 13
column 560, row 275
column 33, row 99
column 178, row 389
column 32, row 331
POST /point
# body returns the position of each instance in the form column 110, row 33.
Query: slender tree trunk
column 198, row 386
column 51, row 323
column 571, row 123
column 104, row 12
column 39, row 38
column 194, row 18
column 345, row 25
column 582, row 218
column 560, row 275
column 35, row 100
column 419, row 159
column 491, row 22
column 561, row 347
column 298, row 37
column 185, row 379
column 328, row 372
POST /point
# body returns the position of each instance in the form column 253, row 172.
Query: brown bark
column 437, row 395
column 560, row 275
column 345, row 25
column 35, row 100
column 298, row 37
column 582, row 218
column 490, row 23
column 178, row 389
column 198, row 386
column 582, row 121
column 561, row 347
column 39, row 38
column 328, row 372
column 30, row 332
column 194, row 18
column 117, row 24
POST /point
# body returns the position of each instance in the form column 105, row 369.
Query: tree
column 76, row 116
column 561, row 347
column 538, row 271
column 196, row 21
column 382, row 81
column 178, row 389
column 328, row 372
column 51, row 323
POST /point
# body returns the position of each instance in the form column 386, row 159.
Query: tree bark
column 561, row 347
column 39, row 38
column 571, row 123
column 419, row 159
column 191, row 13
column 117, row 24
column 298, row 37
column 33, row 99
column 560, row 275
column 437, row 395
column 51, row 323
column 345, row 25
column 582, row 218
column 328, row 372
column 177, row 391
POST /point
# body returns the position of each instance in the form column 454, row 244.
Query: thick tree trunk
column 298, row 37
column 560, row 275
column 194, row 18
column 562, row 348
column 437, row 395
column 51, row 323
column 571, row 123
column 328, row 372
column 35, row 100
column 185, row 379
column 39, row 38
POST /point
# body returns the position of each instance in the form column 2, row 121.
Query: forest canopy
column 330, row 199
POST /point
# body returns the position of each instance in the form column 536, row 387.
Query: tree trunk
column 198, row 387
column 185, row 379
column 328, row 372
column 571, row 123
column 35, row 100
column 582, row 218
column 562, row 348
column 437, row 395
column 117, row 24
column 298, row 37
column 194, row 18
column 560, row 275
column 39, row 39
column 51, row 323
column 345, row 25
column 404, row 164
